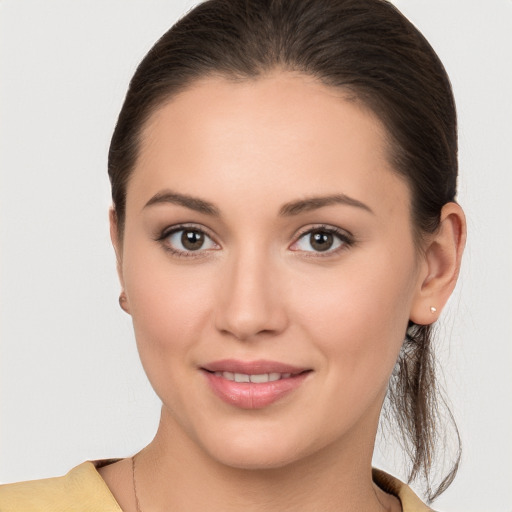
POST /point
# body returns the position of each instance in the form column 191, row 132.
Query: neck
column 174, row 474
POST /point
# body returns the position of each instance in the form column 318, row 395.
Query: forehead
column 284, row 130
column 296, row 104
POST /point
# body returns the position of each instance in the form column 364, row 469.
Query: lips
column 256, row 378
column 254, row 384
column 252, row 367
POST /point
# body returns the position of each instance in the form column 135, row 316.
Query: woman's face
column 268, row 240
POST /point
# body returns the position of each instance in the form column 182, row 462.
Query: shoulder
column 80, row 490
column 409, row 500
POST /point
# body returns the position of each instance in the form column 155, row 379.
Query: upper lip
column 257, row 367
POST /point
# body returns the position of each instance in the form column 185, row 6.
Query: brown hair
column 365, row 47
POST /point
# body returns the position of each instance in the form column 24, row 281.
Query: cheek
column 169, row 305
column 358, row 315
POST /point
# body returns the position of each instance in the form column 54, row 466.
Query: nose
column 250, row 304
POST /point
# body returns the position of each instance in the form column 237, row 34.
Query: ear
column 117, row 244
column 441, row 265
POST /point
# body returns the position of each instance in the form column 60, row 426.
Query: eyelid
column 170, row 230
column 325, row 227
column 345, row 236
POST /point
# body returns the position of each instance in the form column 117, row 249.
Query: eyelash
column 346, row 239
column 169, row 231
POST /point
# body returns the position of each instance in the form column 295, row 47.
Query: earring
column 433, row 309
column 122, row 302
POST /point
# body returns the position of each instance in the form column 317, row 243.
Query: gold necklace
column 137, row 504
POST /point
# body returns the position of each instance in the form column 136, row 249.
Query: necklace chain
column 137, row 504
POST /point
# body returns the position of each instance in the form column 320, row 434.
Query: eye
column 183, row 240
column 322, row 240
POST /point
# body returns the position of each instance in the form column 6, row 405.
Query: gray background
column 71, row 385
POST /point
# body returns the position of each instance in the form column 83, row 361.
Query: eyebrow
column 287, row 210
column 313, row 203
column 193, row 203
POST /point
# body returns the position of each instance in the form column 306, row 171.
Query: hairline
column 349, row 93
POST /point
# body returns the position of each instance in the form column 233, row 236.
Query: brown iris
column 192, row 240
column 321, row 240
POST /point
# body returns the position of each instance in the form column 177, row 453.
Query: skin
column 259, row 290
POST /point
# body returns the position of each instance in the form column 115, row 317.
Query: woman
column 286, row 232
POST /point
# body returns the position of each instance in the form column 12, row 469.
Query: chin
column 253, row 452
column 252, row 460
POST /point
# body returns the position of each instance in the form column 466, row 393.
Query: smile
column 258, row 378
column 253, row 384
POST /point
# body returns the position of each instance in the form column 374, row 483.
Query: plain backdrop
column 72, row 387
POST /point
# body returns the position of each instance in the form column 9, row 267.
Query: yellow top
column 83, row 490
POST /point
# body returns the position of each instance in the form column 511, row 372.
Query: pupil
column 192, row 240
column 321, row 241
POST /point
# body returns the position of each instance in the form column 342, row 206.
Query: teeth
column 264, row 377
column 259, row 378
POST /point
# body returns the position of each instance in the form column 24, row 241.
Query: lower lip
column 250, row 395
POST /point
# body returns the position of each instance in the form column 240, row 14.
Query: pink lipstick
column 253, row 384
